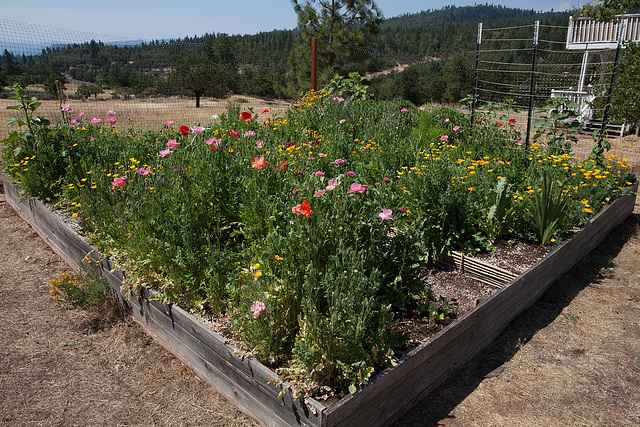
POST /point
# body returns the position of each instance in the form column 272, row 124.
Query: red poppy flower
column 266, row 110
column 302, row 209
column 213, row 147
column 184, row 130
column 512, row 121
column 499, row 124
column 245, row 116
column 284, row 166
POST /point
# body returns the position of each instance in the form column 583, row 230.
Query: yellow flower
column 255, row 267
column 257, row 274
column 279, row 258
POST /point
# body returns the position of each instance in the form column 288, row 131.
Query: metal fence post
column 532, row 87
column 475, row 79
column 607, row 106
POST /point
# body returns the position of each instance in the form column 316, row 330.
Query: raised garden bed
column 390, row 393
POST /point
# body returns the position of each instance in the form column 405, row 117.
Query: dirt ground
column 571, row 359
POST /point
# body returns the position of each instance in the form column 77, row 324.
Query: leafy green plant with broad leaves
column 558, row 116
column 497, row 211
column 549, row 207
column 349, row 87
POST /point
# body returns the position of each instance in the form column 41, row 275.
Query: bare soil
column 571, row 359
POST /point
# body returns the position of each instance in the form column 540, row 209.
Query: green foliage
column 86, row 288
column 556, row 117
column 497, row 211
column 338, row 26
column 606, row 10
column 351, row 87
column 549, row 208
column 310, row 229
column 36, row 158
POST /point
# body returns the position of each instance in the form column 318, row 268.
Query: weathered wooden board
column 242, row 379
column 396, row 390
column 392, row 392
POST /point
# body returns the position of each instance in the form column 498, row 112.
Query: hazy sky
column 171, row 19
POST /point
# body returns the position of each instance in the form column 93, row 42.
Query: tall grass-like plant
column 549, row 208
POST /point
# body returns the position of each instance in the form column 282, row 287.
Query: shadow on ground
column 437, row 407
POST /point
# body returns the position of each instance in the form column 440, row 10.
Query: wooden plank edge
column 620, row 209
column 30, row 209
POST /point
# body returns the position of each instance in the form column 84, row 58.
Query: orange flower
column 259, row 163
column 302, row 209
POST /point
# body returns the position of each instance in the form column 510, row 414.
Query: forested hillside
column 435, row 42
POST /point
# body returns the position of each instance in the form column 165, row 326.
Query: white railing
column 581, row 98
column 585, row 33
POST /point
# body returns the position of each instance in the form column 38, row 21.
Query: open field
column 150, row 113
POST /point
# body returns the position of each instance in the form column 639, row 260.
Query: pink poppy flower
column 259, row 143
column 333, row 183
column 143, row 171
column 173, row 143
column 456, row 128
column 92, row 139
column 386, row 214
column 249, row 133
column 519, row 143
column 76, row 121
column 119, row 182
column 444, row 137
column 447, row 120
column 95, row 120
column 342, row 121
column 168, row 123
column 164, row 153
column 213, row 141
column 66, row 108
column 198, row 130
column 111, row 113
column 257, row 308
column 111, row 120
column 319, row 193
column 81, row 114
column 357, row 188
column 404, row 110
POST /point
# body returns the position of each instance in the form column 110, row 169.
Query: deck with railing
column 588, row 34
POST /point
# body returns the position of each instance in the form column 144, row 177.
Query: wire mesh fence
column 90, row 94
column 514, row 74
column 520, row 69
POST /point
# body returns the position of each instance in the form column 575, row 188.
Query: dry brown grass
column 150, row 113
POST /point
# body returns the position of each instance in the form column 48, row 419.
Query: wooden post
column 314, row 65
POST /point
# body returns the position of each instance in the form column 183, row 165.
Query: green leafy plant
column 86, row 288
column 549, row 208
column 352, row 87
column 557, row 117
